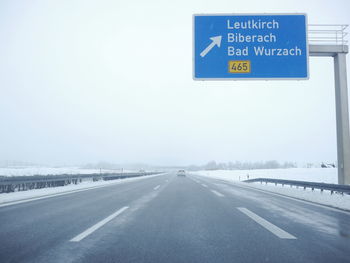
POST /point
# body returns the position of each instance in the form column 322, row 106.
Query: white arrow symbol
column 215, row 41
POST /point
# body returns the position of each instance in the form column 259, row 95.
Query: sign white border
column 248, row 14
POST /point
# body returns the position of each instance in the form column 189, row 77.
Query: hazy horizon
column 138, row 165
column 90, row 81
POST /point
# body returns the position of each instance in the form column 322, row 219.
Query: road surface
column 168, row 218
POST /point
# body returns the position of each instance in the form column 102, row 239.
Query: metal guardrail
column 312, row 185
column 23, row 183
column 327, row 34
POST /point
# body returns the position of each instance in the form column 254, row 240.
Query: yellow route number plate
column 239, row 66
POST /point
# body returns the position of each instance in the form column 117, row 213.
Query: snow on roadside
column 316, row 196
column 312, row 174
column 325, row 175
column 22, row 195
column 32, row 170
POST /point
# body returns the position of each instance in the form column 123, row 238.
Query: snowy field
column 325, row 175
column 27, row 171
column 54, row 191
column 328, row 175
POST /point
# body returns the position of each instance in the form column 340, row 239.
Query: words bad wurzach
column 260, row 39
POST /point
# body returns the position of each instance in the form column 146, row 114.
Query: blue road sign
column 250, row 46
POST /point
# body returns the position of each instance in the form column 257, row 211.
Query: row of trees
column 213, row 165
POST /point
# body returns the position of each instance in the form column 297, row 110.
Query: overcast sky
column 88, row 81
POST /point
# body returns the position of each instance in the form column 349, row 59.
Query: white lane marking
column 51, row 195
column 287, row 197
column 98, row 225
column 156, row 188
column 217, row 193
column 266, row 224
column 204, row 185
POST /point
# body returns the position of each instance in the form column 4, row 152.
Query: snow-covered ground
column 325, row 175
column 316, row 196
column 328, row 175
column 39, row 193
column 27, row 171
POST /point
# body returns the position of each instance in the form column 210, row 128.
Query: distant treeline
column 113, row 166
column 10, row 163
column 213, row 165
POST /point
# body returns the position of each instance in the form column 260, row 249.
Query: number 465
column 236, row 66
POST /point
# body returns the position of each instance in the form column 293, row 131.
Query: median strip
column 38, row 194
column 51, row 195
column 266, row 224
column 98, row 225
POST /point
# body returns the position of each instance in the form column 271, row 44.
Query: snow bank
column 27, row 171
column 325, row 175
column 35, row 193
column 316, row 196
column 328, row 175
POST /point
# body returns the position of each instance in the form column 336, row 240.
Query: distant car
column 181, row 173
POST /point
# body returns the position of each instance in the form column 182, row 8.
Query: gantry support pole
column 338, row 52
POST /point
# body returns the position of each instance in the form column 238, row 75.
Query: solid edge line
column 97, row 225
column 217, row 193
column 50, row 195
column 62, row 193
column 328, row 207
column 296, row 199
column 266, row 224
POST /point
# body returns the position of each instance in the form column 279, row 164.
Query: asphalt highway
column 169, row 218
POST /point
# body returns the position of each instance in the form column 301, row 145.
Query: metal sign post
column 229, row 47
column 342, row 112
column 329, row 41
column 338, row 52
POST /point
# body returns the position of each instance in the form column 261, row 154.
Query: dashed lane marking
column 98, row 225
column 266, row 224
column 217, row 193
